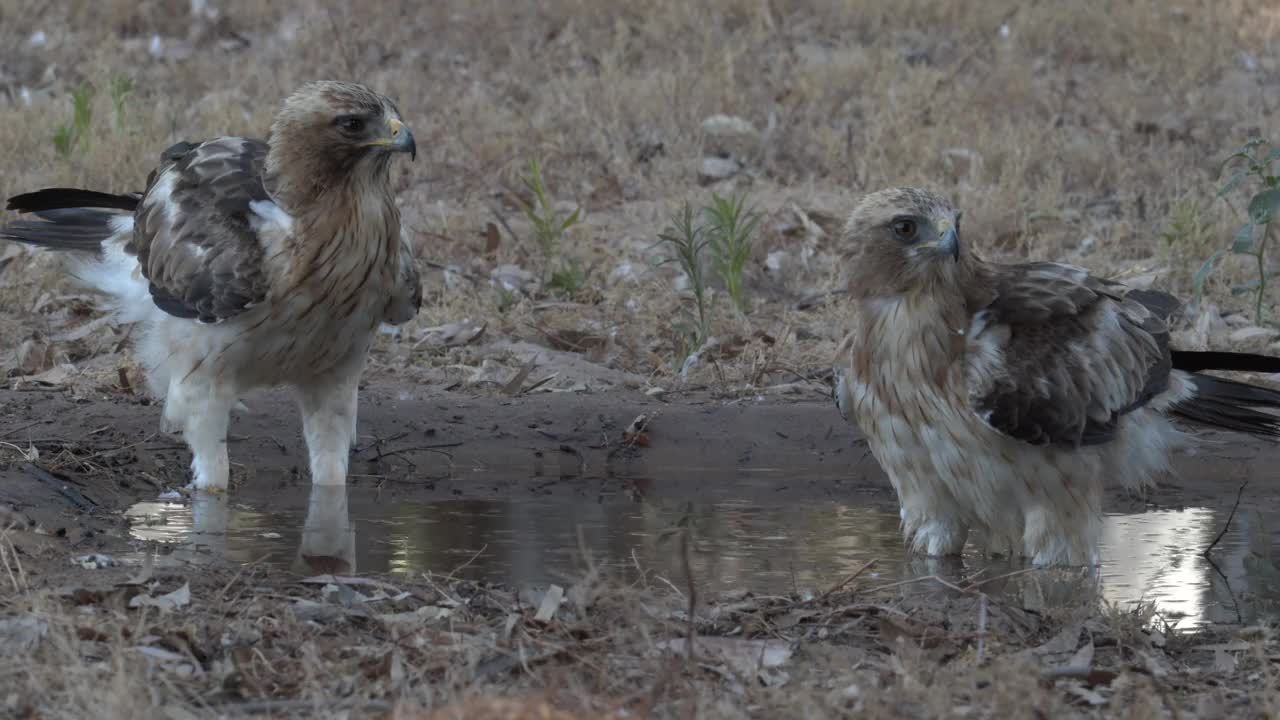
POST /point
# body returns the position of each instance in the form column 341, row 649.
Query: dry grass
column 248, row 643
column 1075, row 135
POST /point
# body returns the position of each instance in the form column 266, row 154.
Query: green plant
column 549, row 228
column 731, row 227
column 76, row 133
column 1255, row 160
column 569, row 278
column 120, row 89
column 688, row 242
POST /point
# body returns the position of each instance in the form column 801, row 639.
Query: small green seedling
column 1256, row 161
column 731, row 227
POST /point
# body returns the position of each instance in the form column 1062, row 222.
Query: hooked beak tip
column 950, row 243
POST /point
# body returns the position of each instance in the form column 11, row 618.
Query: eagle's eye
column 904, row 229
column 350, row 123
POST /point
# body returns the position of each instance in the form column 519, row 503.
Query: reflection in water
column 764, row 548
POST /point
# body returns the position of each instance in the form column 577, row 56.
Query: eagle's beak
column 949, row 242
column 402, row 139
column 398, row 139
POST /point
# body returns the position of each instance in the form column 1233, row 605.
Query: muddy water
column 1150, row 556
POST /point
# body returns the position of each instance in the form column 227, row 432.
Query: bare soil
column 109, row 454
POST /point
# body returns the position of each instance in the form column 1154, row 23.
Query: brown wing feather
column 406, row 296
column 192, row 231
column 1059, row 356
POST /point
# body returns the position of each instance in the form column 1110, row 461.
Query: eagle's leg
column 328, row 424
column 205, row 431
column 933, row 531
column 1054, row 537
column 172, row 418
column 941, row 537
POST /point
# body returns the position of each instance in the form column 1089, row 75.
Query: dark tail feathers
column 70, row 198
column 70, row 219
column 1195, row 361
column 1230, row 405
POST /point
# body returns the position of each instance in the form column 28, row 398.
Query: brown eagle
column 252, row 263
column 1000, row 397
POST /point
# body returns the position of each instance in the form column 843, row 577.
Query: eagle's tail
column 95, row 227
column 69, row 218
column 1231, row 405
column 1195, row 361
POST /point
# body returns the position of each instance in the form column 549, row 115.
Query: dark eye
column 350, row 123
column 904, row 229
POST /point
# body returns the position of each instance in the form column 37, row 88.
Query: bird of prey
column 1000, row 397
column 252, row 263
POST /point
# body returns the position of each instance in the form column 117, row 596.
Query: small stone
column 721, row 125
column 1237, row 320
column 1252, row 333
column 715, row 169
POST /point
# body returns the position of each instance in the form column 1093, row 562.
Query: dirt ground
column 1089, row 132
column 228, row 640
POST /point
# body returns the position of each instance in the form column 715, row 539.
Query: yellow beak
column 399, row 139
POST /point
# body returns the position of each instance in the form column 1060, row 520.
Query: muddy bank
column 442, row 444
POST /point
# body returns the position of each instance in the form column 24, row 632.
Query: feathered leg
column 931, row 524
column 328, row 422
column 1052, row 538
column 205, row 431
column 940, row 536
column 174, row 416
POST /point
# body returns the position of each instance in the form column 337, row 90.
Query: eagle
column 251, row 263
column 1000, row 398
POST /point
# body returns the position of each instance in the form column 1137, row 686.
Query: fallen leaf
column 550, row 603
column 1092, row 697
column 748, row 658
column 348, row 580
column 159, row 654
column 1062, row 643
column 167, row 602
column 454, row 334
column 491, row 238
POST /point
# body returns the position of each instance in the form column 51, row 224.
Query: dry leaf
column 167, row 602
column 550, row 603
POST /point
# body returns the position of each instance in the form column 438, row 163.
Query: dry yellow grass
column 1062, row 130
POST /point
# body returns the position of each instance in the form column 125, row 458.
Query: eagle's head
column 328, row 131
column 902, row 240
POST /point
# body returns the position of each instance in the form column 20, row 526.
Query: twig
column 1232, row 593
column 982, row 626
column 259, row 707
column 840, row 585
column 19, row 429
column 64, row 489
column 463, row 566
column 1227, row 526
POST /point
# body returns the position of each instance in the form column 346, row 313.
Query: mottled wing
column 406, row 296
column 194, row 230
column 1058, row 356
